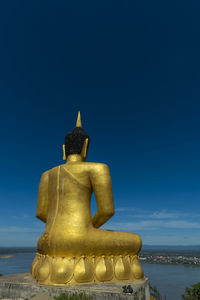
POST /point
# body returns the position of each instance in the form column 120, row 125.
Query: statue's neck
column 74, row 158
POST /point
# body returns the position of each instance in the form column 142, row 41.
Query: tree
column 155, row 295
column 192, row 293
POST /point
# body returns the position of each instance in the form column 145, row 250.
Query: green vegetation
column 74, row 296
column 192, row 293
column 155, row 293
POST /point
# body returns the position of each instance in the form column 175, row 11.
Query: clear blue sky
column 133, row 70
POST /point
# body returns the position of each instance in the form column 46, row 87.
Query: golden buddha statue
column 73, row 250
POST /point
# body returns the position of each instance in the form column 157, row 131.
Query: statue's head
column 77, row 141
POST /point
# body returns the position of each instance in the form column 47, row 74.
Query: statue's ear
column 84, row 149
column 64, row 154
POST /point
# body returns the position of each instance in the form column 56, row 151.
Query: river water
column 170, row 280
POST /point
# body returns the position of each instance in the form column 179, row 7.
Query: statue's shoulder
column 95, row 164
column 96, row 167
column 45, row 174
column 52, row 170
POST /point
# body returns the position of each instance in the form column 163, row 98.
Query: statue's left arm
column 42, row 204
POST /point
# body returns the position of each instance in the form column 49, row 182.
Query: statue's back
column 64, row 198
column 69, row 194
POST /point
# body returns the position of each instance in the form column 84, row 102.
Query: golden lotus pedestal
column 55, row 271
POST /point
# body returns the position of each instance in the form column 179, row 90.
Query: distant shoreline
column 171, row 264
column 14, row 250
column 163, row 255
column 7, row 256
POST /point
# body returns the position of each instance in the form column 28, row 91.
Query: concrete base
column 23, row 286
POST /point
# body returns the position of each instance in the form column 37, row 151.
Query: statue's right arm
column 102, row 186
column 42, row 204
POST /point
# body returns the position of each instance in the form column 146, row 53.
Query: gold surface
column 78, row 122
column 73, row 250
column 52, row 270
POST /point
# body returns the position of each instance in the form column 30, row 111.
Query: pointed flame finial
column 78, row 122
